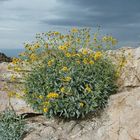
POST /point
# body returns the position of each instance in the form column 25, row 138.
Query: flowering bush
column 67, row 75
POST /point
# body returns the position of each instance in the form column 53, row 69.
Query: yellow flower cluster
column 15, row 60
column 50, row 62
column 45, row 106
column 52, row 95
column 33, row 57
column 68, row 54
column 11, row 93
column 81, row 104
column 36, row 45
column 64, row 69
column 84, row 51
column 17, row 69
column 62, row 48
column 88, row 89
column 45, row 109
column 98, row 55
column 46, row 103
column 32, row 47
column 67, row 79
column 109, row 39
column 40, row 97
column 62, row 89
column 91, row 62
column 74, row 30
column 86, row 61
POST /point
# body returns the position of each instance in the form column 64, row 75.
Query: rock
column 136, row 53
column 4, row 58
column 17, row 104
column 119, row 121
column 124, row 116
column 20, row 106
column 130, row 74
column 4, row 101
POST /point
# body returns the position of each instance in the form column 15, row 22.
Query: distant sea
column 11, row 52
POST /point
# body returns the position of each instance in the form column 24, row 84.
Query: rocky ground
column 119, row 121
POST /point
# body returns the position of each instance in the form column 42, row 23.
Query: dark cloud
column 20, row 20
column 103, row 12
column 119, row 17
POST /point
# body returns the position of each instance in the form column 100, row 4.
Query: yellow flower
column 117, row 73
column 36, row 45
column 114, row 41
column 15, row 60
column 56, row 33
column 84, row 51
column 67, row 44
column 52, row 95
column 17, row 69
column 13, row 78
column 91, row 62
column 85, row 61
column 67, row 79
column 68, row 55
column 18, row 96
column 25, row 91
column 11, row 93
column 74, row 30
column 104, row 39
column 88, row 89
column 62, row 89
column 31, row 48
column 78, row 55
column 50, row 62
column 45, row 110
column 9, row 67
column 78, row 40
column 97, row 55
column 46, row 103
column 81, row 104
column 64, row 69
column 33, row 57
column 61, row 37
column 40, row 97
column 122, row 63
column 62, row 48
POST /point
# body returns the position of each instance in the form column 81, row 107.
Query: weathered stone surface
column 119, row 121
column 18, row 105
column 124, row 116
column 130, row 73
column 4, row 100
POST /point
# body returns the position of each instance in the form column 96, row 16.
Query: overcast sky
column 20, row 20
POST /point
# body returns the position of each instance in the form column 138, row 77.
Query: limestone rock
column 119, row 121
column 124, row 116
column 130, row 73
column 18, row 105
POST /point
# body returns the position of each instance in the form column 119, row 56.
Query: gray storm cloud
column 21, row 20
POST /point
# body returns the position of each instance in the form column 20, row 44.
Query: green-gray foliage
column 11, row 126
